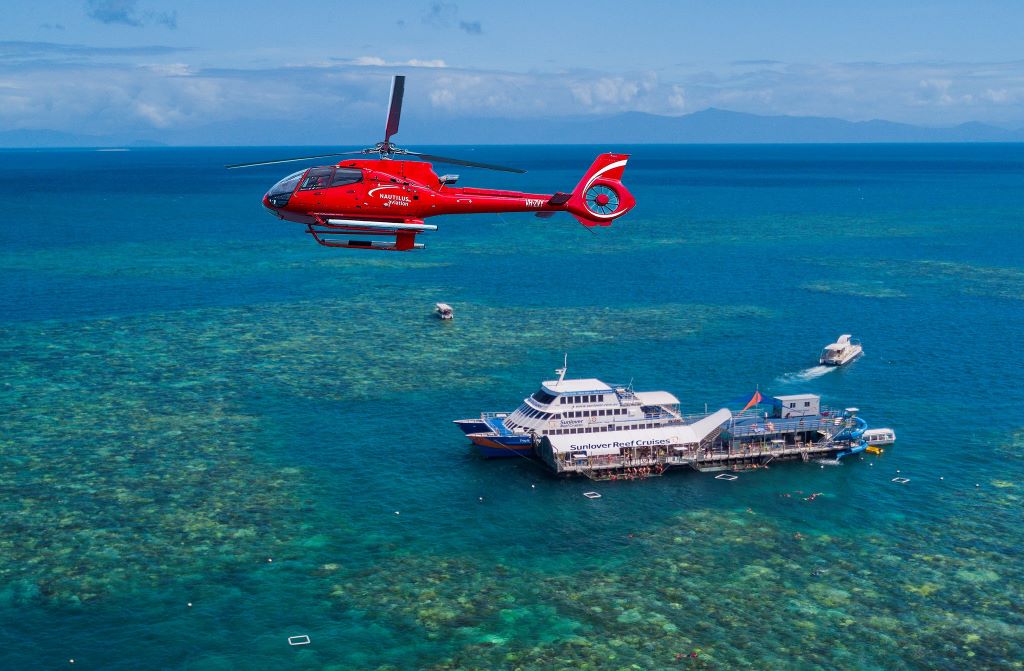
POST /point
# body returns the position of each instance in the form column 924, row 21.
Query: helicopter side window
column 344, row 176
column 317, row 178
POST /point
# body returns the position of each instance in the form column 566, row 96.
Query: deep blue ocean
column 215, row 434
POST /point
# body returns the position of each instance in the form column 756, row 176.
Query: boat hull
column 840, row 362
column 494, row 446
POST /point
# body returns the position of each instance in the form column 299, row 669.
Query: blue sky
column 157, row 67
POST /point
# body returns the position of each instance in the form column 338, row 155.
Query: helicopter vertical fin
column 600, row 197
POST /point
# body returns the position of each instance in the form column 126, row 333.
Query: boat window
column 316, row 178
column 557, row 416
column 343, row 176
column 792, row 405
column 542, row 396
column 807, row 404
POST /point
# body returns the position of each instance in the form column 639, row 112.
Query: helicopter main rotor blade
column 394, row 107
column 459, row 161
column 289, row 160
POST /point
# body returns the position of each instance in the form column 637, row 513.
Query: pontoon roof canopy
column 610, row 442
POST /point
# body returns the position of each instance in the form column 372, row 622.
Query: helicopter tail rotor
column 601, row 197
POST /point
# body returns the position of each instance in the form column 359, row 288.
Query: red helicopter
column 381, row 203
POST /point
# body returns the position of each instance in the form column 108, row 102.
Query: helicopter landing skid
column 334, row 232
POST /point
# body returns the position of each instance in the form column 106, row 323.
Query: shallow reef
column 717, row 590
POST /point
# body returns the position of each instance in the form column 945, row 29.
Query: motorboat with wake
column 841, row 352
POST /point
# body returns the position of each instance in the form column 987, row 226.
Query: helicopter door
column 317, row 180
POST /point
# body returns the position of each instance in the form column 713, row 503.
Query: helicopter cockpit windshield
column 311, row 180
column 282, row 191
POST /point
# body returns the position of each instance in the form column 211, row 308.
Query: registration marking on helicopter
column 531, row 202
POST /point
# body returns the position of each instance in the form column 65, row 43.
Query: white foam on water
column 806, row 374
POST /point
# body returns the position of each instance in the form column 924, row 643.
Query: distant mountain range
column 710, row 126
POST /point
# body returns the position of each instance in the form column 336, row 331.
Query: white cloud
column 98, row 91
column 377, row 61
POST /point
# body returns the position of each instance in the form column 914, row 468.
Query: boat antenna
column 561, row 371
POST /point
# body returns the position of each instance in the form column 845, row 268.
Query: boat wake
column 807, row 374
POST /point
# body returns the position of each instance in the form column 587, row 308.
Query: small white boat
column 444, row 311
column 879, row 436
column 841, row 352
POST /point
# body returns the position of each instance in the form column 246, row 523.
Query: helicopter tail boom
column 601, row 197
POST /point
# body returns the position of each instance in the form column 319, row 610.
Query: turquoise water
column 201, row 406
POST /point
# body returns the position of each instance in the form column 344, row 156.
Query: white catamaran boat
column 444, row 311
column 841, row 352
column 566, row 407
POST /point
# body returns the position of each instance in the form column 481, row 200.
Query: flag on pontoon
column 754, row 400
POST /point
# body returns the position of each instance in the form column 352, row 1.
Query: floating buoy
column 397, row 513
column 533, row 486
column 270, row 559
column 189, row 604
column 481, row 498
